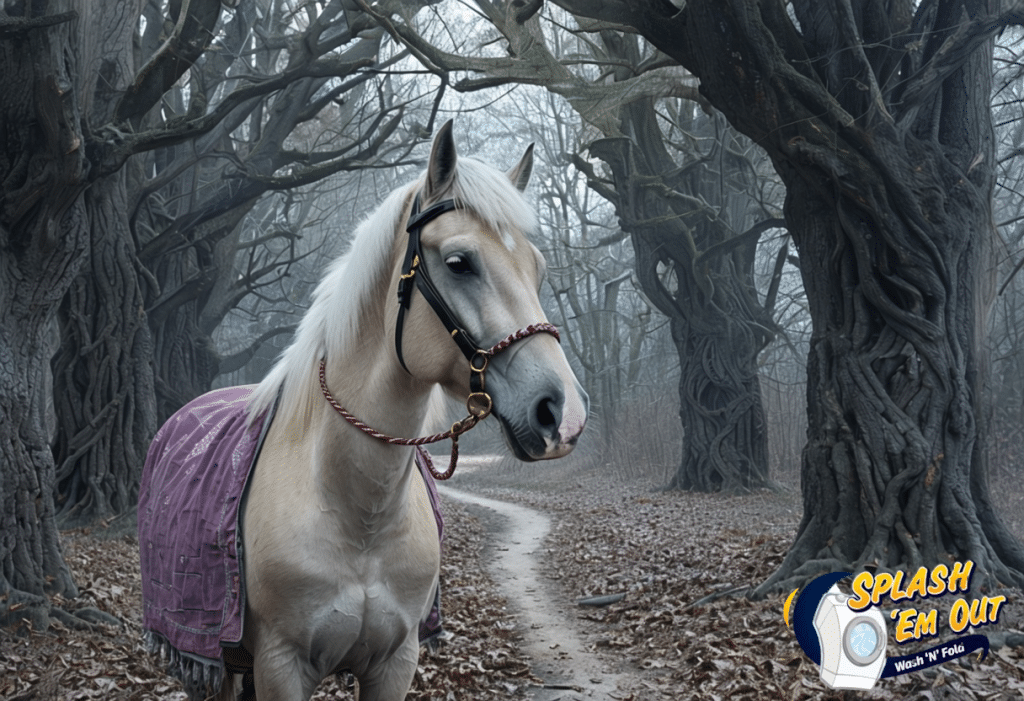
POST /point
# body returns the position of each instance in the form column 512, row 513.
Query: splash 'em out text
column 868, row 590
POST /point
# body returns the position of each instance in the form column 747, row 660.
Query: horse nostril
column 548, row 414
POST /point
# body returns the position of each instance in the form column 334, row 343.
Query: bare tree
column 1005, row 395
column 76, row 176
column 877, row 119
column 179, row 226
column 103, row 398
column 690, row 222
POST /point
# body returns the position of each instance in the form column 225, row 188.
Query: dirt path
column 560, row 657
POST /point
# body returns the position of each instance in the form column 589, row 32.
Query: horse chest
column 374, row 607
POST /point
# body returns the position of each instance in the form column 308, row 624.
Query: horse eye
column 458, row 264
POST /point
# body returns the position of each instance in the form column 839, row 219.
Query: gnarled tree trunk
column 103, row 375
column 887, row 468
column 889, row 189
column 43, row 240
column 718, row 326
column 877, row 118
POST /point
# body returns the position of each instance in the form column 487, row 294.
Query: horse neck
column 367, row 478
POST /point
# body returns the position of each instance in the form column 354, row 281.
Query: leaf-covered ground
column 665, row 551
column 669, row 551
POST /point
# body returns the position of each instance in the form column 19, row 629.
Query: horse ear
column 520, row 173
column 441, row 169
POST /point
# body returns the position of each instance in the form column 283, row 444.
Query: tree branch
column 771, row 296
column 532, row 63
column 305, row 176
column 749, row 236
column 11, row 27
column 190, row 37
column 236, row 361
column 951, row 55
column 191, row 289
column 122, row 145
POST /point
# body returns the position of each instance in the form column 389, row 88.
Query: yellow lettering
column 883, row 583
column 994, row 603
column 960, row 579
column 938, row 585
column 927, row 624
column 979, row 612
column 917, row 584
column 861, row 591
column 905, row 625
column 897, row 593
column 958, row 616
column 977, row 615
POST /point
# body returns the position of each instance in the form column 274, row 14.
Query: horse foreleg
column 390, row 681
column 281, row 676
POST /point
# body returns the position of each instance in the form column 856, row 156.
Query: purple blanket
column 193, row 484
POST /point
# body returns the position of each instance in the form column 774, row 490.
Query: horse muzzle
column 547, row 424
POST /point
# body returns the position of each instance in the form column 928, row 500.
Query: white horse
column 342, row 554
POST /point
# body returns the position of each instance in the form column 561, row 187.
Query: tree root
column 86, row 618
column 715, row 596
column 36, row 613
column 786, row 579
column 1000, row 638
column 22, row 607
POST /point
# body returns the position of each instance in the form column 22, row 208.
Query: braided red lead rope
column 458, row 428
column 520, row 335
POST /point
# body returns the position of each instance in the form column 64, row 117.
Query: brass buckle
column 412, row 269
column 479, row 405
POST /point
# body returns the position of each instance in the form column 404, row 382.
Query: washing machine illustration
column 852, row 642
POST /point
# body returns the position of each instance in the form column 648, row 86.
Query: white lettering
column 953, row 650
column 903, row 665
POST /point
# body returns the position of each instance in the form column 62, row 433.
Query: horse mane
column 329, row 325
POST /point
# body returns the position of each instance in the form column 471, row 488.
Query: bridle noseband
column 414, row 273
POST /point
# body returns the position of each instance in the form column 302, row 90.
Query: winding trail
column 559, row 655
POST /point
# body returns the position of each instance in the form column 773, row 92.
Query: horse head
column 477, row 279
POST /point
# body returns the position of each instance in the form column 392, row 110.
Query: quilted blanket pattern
column 192, row 485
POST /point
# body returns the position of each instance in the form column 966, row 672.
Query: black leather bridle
column 414, row 272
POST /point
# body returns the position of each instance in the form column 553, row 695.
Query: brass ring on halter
column 483, row 357
column 479, row 404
